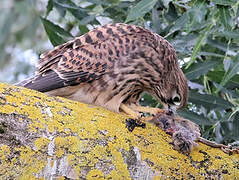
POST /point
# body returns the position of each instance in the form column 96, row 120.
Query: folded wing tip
column 43, row 83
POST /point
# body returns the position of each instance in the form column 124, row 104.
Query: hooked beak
column 170, row 108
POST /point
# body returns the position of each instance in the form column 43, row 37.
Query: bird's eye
column 176, row 100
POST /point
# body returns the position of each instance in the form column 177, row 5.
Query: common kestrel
column 111, row 66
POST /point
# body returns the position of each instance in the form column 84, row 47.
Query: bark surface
column 51, row 137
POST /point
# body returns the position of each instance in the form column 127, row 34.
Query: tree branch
column 53, row 137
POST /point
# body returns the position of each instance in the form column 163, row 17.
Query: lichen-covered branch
column 49, row 137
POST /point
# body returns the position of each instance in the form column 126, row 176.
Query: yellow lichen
column 41, row 143
column 85, row 134
column 95, row 174
column 4, row 152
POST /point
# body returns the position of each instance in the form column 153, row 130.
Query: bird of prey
column 111, row 66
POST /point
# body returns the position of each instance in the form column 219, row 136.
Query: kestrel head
column 173, row 93
column 178, row 95
column 172, row 88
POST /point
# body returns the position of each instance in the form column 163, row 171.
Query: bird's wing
column 83, row 59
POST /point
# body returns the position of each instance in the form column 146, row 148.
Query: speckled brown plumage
column 110, row 65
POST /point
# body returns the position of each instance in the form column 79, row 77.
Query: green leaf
column 198, row 119
column 83, row 29
column 156, row 25
column 198, row 45
column 52, row 31
column 201, row 68
column 140, row 9
column 203, row 53
column 102, row 2
column 49, row 7
column 166, row 3
column 218, row 44
column 230, row 73
column 171, row 15
column 68, row 4
column 56, row 28
column 235, row 131
column 180, row 23
column 225, row 17
column 127, row 0
column 225, row 2
column 183, row 44
column 87, row 19
column 234, row 34
column 216, row 76
column 229, row 90
column 233, row 83
column 209, row 101
column 197, row 16
column 61, row 10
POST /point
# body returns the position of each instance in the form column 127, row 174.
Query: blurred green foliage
column 205, row 34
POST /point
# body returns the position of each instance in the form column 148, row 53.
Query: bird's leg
column 150, row 110
column 128, row 110
column 133, row 110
